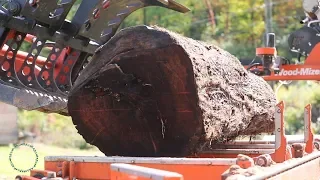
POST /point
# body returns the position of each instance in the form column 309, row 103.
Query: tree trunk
column 211, row 13
column 151, row 92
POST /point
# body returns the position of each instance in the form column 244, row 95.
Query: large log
column 151, row 92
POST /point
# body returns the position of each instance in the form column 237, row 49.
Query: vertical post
column 268, row 16
column 211, row 13
column 280, row 154
column 72, row 170
column 268, row 25
column 308, row 135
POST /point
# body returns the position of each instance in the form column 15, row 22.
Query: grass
column 24, row 158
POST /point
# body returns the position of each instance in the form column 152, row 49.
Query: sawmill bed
column 256, row 159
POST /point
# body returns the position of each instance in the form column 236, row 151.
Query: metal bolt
column 264, row 160
column 59, row 173
column 39, row 43
column 260, row 162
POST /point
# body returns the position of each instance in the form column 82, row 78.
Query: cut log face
column 151, row 92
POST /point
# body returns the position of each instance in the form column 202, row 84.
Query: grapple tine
column 170, row 4
column 177, row 6
column 165, row 2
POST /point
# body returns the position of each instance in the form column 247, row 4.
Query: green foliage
column 180, row 23
column 296, row 96
column 239, row 25
column 52, row 129
column 28, row 118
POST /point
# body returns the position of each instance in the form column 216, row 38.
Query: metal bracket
column 106, row 17
column 64, row 77
column 46, row 74
column 48, row 11
column 26, row 73
column 7, row 63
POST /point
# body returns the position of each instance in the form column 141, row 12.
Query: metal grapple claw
column 173, row 5
column 58, row 49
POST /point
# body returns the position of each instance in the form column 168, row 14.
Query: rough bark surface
column 151, row 92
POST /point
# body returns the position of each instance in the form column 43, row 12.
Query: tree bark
column 151, row 92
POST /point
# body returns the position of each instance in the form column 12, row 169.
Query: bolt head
column 260, row 162
column 59, row 173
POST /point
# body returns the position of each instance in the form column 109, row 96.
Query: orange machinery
column 309, row 70
column 280, row 158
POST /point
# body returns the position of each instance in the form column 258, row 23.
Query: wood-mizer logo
column 22, row 163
